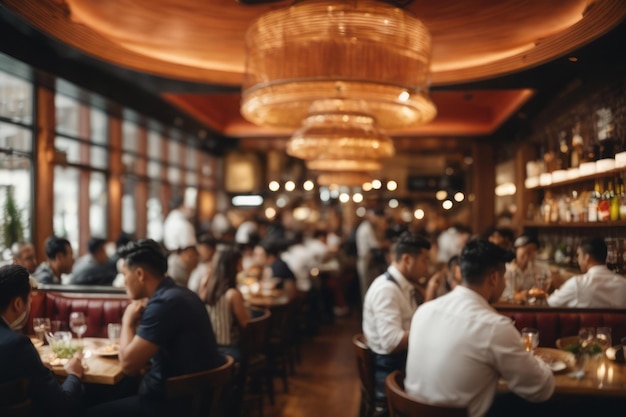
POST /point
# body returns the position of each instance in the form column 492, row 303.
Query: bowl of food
column 62, row 346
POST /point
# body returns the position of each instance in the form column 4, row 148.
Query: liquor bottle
column 564, row 156
column 592, row 205
column 622, row 196
column 614, row 201
column 606, row 141
column 577, row 147
column 604, row 206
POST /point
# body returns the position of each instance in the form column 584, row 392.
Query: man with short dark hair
column 166, row 326
column 460, row 346
column 24, row 255
column 60, row 261
column 95, row 268
column 598, row 287
column 390, row 303
column 19, row 358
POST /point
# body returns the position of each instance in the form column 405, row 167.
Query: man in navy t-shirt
column 166, row 326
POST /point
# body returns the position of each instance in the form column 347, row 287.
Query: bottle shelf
column 598, row 175
column 591, row 225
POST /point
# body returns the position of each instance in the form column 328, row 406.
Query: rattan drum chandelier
column 342, row 70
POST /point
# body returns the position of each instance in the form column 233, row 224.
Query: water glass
column 114, row 330
column 41, row 326
column 603, row 337
column 78, row 323
column 530, row 338
column 586, row 336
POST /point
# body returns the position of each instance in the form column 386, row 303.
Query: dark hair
column 55, row 245
column 595, row 247
column 454, row 260
column 224, row 275
column 271, row 247
column 506, row 233
column 124, row 239
column 145, row 253
column 94, row 244
column 177, row 201
column 207, row 239
column 410, row 243
column 479, row 257
column 14, row 282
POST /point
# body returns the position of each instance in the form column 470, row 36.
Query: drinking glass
column 586, row 336
column 530, row 338
column 41, row 326
column 78, row 323
column 113, row 332
column 603, row 337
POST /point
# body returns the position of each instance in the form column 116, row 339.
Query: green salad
column 65, row 350
column 577, row 348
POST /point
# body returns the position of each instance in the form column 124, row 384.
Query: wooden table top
column 602, row 377
column 100, row 369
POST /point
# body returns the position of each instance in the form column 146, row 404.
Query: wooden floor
column 326, row 381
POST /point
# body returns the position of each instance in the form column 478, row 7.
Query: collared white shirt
column 365, row 239
column 387, row 311
column 598, row 288
column 518, row 280
column 459, row 346
column 178, row 232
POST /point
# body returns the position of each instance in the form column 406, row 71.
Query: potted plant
column 12, row 228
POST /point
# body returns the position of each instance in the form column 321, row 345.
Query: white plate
column 557, row 366
column 108, row 350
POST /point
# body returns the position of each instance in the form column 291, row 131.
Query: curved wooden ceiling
column 204, row 40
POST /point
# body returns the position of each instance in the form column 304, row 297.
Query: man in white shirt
column 390, row 303
column 178, row 232
column 366, row 240
column 459, row 346
column 598, row 287
column 523, row 273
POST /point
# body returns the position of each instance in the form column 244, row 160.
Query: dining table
column 100, row 360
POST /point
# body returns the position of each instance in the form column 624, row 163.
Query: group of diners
column 453, row 345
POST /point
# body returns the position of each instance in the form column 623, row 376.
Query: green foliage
column 12, row 228
column 577, row 348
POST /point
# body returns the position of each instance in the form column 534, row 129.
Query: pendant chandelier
column 367, row 54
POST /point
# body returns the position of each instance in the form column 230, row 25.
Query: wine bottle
column 604, row 206
column 614, row 201
column 606, row 142
column 564, row 153
column 622, row 196
column 592, row 205
column 577, row 147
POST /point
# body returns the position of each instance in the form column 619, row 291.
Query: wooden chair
column 402, row 405
column 203, row 390
column 365, row 365
column 253, row 363
column 14, row 401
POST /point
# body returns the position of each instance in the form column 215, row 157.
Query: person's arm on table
column 135, row 352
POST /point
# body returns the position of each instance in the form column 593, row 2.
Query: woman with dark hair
column 224, row 302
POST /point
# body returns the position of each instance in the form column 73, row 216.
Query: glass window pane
column 67, row 115
column 99, row 157
column 98, row 204
column 15, row 182
column 155, row 212
column 130, row 136
column 65, row 205
column 71, row 148
column 154, row 145
column 191, row 158
column 173, row 175
column 173, row 153
column 129, row 209
column 15, row 137
column 154, row 169
column 16, row 98
column 191, row 178
column 99, row 127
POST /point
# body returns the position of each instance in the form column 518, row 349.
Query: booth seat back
column 99, row 309
column 554, row 323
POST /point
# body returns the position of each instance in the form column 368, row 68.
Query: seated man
column 166, row 326
column 60, row 261
column 266, row 255
column 390, row 303
column 24, row 255
column 181, row 264
column 521, row 274
column 598, row 287
column 459, row 346
column 95, row 268
column 19, row 358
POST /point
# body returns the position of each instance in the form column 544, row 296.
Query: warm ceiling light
column 376, row 184
column 392, row 185
column 274, row 186
column 344, row 197
column 393, row 203
column 344, row 165
column 441, row 195
column 419, row 214
column 367, row 186
column 459, row 196
column 342, row 178
column 270, row 212
column 357, row 197
column 290, row 186
column 447, row 205
column 308, row 185
column 366, row 54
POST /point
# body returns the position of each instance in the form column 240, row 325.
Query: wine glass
column 78, row 323
column 586, row 336
column 41, row 326
column 530, row 338
column 603, row 337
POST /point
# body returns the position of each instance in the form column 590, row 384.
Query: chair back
column 402, row 405
column 365, row 365
column 255, row 336
column 14, row 400
column 202, row 390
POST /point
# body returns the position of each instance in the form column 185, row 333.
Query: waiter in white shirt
column 598, row 287
column 178, row 232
